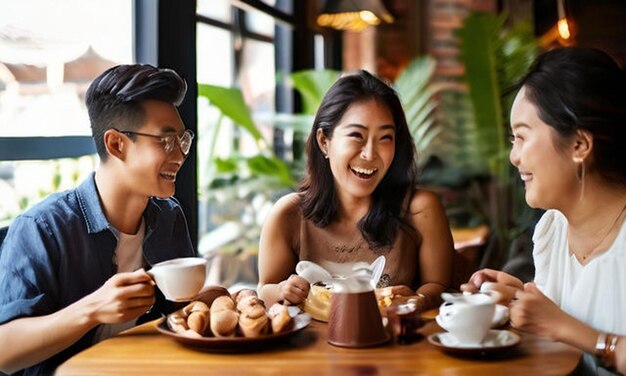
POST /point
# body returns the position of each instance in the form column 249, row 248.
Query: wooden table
column 145, row 351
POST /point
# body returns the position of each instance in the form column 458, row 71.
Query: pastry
column 317, row 303
column 281, row 321
column 253, row 321
column 199, row 322
column 195, row 306
column 248, row 302
column 242, row 294
column 177, row 322
column 223, row 317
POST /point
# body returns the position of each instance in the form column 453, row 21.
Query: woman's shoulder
column 550, row 223
column 287, row 210
column 423, row 199
column 289, row 203
column 549, row 234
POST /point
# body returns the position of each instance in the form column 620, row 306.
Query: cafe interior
column 256, row 71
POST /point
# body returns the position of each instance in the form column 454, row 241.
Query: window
column 45, row 69
column 236, row 48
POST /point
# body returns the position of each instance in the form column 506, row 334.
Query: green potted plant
column 495, row 58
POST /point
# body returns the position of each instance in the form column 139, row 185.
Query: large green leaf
column 313, row 85
column 230, row 102
column 271, row 166
column 479, row 36
column 416, row 94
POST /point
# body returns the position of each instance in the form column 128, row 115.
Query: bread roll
column 280, row 319
column 223, row 303
column 253, row 322
column 242, row 294
column 223, row 317
column 177, row 322
column 224, row 323
column 249, row 302
column 198, row 321
column 195, row 306
column 191, row 334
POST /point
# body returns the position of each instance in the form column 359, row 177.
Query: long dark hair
column 577, row 88
column 390, row 199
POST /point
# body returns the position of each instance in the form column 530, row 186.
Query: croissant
column 280, row 319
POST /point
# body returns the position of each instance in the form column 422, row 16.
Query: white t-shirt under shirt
column 129, row 257
column 129, row 250
column 594, row 293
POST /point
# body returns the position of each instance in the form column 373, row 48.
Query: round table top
column 144, row 350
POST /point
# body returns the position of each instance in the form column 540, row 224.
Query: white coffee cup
column 468, row 319
column 180, row 279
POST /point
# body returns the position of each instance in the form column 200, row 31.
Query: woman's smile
column 363, row 173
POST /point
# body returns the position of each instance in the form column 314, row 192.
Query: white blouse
column 594, row 293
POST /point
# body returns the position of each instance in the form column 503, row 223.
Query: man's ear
column 583, row 145
column 321, row 141
column 114, row 144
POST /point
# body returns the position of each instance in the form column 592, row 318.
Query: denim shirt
column 63, row 248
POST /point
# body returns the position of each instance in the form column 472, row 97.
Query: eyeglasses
column 168, row 141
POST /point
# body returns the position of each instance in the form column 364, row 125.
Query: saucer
column 495, row 341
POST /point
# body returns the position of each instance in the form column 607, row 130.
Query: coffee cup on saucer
column 180, row 279
column 469, row 318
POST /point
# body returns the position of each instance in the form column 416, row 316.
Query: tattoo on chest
column 349, row 249
column 343, row 249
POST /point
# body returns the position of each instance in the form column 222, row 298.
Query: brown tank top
column 338, row 252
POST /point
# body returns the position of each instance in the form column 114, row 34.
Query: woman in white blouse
column 569, row 144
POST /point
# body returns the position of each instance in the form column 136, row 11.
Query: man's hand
column 123, row 297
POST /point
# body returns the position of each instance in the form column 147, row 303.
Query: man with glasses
column 72, row 267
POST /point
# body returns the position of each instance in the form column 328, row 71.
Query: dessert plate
column 235, row 344
column 495, row 342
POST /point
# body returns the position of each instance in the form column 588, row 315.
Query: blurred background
column 256, row 72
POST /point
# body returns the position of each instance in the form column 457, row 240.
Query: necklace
column 595, row 247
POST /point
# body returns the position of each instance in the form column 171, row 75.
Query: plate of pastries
column 222, row 322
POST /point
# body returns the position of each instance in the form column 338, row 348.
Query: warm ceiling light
column 353, row 15
column 562, row 25
column 563, row 28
